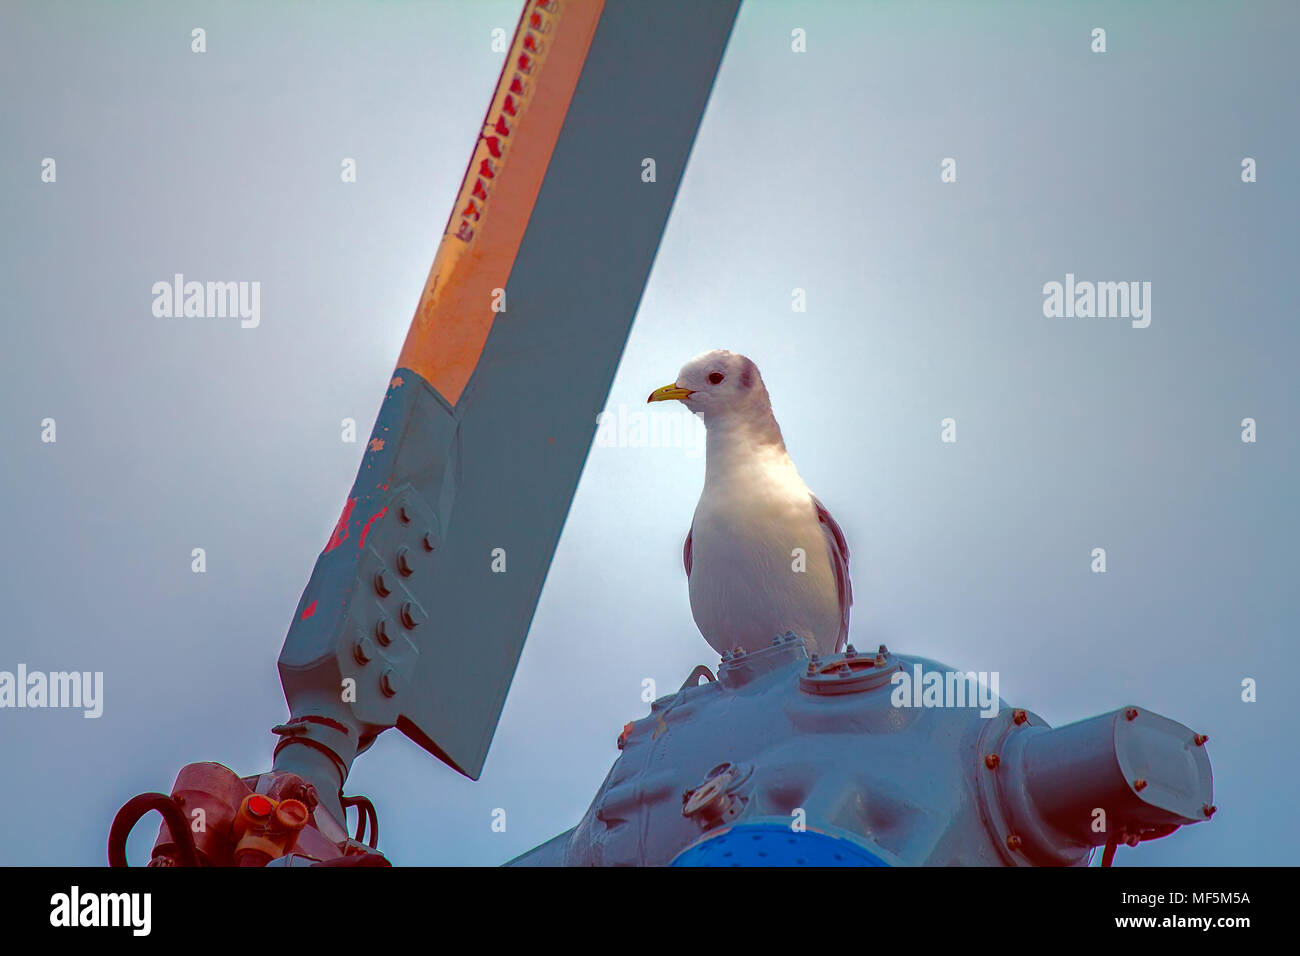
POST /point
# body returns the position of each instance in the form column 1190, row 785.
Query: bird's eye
column 715, row 378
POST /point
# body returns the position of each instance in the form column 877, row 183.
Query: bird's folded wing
column 839, row 552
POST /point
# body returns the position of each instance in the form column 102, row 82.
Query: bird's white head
column 723, row 388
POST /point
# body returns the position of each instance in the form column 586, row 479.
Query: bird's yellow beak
column 668, row 393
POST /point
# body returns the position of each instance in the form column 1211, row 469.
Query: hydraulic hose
column 130, row 815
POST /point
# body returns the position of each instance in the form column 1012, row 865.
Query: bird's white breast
column 752, row 525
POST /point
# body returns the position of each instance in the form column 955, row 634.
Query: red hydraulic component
column 266, row 829
column 213, row 817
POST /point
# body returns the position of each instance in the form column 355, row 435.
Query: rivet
column 1200, row 739
column 388, row 682
column 1131, row 713
column 1139, row 784
column 381, row 632
column 404, row 514
column 1019, row 716
column 992, row 761
column 404, row 561
column 1013, row 842
column 1208, row 810
column 384, row 583
column 850, row 651
column 430, row 541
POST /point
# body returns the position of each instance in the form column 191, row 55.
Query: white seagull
column 763, row 555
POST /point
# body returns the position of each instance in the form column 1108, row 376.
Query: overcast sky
column 817, row 171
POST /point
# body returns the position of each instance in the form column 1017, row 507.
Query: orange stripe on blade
column 496, row 199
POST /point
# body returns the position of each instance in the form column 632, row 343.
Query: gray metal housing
column 777, row 732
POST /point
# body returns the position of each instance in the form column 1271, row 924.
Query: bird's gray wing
column 839, row 551
column 686, row 550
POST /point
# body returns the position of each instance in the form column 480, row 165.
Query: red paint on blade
column 364, row 531
column 341, row 529
column 309, row 610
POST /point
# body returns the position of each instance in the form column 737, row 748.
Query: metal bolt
column 776, row 640
column 850, row 651
column 384, row 582
column 404, row 562
column 388, row 682
column 812, row 668
column 1208, row 810
column 363, row 650
column 1019, row 716
column 737, row 652
column 1013, row 842
column 412, row 615
column 1200, row 739
column 992, row 761
column 844, row 670
column 1139, row 784
column 883, row 650
column 1131, row 713
column 880, row 660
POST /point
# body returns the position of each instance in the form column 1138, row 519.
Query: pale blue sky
column 818, row 171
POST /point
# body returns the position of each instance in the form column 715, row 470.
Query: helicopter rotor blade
column 418, row 607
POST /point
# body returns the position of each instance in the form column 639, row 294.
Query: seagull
column 763, row 556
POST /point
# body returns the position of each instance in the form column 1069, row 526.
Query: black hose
column 374, row 826
column 130, row 815
column 362, row 819
column 367, row 820
column 1112, row 843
